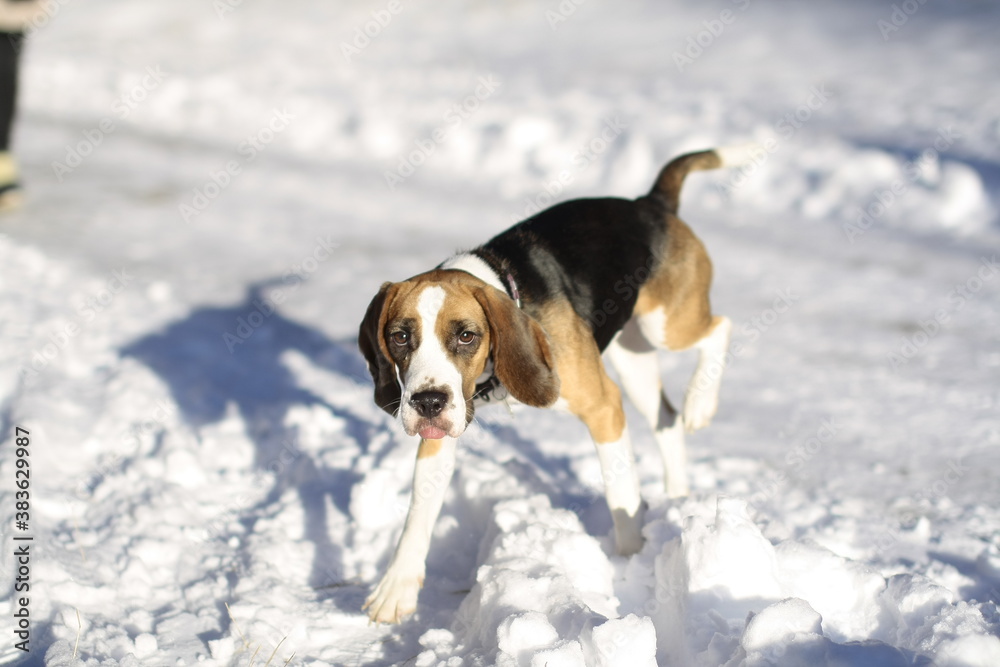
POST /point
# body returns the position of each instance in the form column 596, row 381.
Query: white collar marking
column 474, row 264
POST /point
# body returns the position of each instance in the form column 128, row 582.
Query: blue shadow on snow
column 205, row 375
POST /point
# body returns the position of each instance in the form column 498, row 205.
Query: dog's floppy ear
column 370, row 340
column 522, row 358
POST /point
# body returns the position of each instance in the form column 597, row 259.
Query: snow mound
column 543, row 595
column 708, row 589
column 725, row 595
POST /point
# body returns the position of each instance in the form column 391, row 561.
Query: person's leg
column 10, row 51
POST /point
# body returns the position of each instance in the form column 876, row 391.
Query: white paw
column 677, row 484
column 394, row 597
column 699, row 408
column 628, row 532
column 628, row 544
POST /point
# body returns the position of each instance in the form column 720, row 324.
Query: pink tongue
column 432, row 433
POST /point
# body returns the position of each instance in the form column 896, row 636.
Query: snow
column 211, row 481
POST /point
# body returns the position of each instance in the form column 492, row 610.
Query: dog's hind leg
column 674, row 313
column 635, row 360
column 702, row 398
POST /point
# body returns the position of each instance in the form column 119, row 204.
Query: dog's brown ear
column 522, row 358
column 370, row 340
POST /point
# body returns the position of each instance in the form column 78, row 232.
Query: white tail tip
column 734, row 156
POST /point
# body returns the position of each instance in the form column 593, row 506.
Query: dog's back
column 597, row 253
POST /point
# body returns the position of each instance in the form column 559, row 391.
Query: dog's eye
column 399, row 337
column 467, row 337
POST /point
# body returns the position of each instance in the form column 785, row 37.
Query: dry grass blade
column 236, row 625
column 271, row 657
column 79, row 630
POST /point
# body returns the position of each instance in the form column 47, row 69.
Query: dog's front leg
column 621, row 488
column 396, row 595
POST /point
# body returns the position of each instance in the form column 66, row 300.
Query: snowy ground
column 210, row 480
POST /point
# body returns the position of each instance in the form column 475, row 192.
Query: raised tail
column 668, row 183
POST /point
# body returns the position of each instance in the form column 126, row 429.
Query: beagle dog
column 527, row 317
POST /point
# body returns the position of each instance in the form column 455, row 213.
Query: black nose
column 429, row 403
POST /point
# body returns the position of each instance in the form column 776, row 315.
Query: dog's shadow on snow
column 224, row 356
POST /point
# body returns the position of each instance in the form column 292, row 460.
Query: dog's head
column 428, row 339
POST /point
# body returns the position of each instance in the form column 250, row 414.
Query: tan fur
column 680, row 288
column 668, row 183
column 522, row 356
column 514, row 339
column 460, row 303
column 523, row 360
column 428, row 448
column 585, row 386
